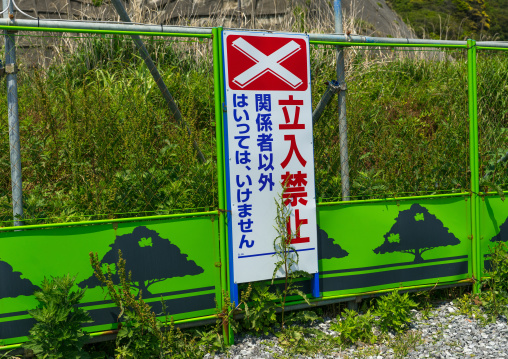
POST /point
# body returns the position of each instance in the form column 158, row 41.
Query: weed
column 260, row 311
column 58, row 333
column 140, row 335
column 395, row 311
column 404, row 343
column 495, row 300
column 286, row 257
column 355, row 328
column 298, row 340
column 469, row 305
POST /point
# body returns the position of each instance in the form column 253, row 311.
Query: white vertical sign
column 269, row 142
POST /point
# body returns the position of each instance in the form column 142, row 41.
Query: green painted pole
column 474, row 164
column 226, row 239
column 219, row 131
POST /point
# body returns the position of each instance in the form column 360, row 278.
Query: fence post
column 12, row 111
column 221, row 177
column 474, row 165
column 341, row 79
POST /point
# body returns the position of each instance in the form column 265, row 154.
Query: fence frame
column 342, row 40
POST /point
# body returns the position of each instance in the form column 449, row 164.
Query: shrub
column 58, row 332
column 495, row 301
column 394, row 311
column 355, row 328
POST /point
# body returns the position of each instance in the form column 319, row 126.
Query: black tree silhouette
column 327, row 249
column 11, row 283
column 502, row 236
column 149, row 257
column 416, row 231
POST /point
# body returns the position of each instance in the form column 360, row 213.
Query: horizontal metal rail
column 206, row 32
column 392, row 199
column 103, row 27
column 114, row 220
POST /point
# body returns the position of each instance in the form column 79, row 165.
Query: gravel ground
column 444, row 334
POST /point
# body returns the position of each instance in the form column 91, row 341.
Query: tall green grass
column 99, row 142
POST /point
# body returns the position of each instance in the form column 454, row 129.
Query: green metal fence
column 106, row 166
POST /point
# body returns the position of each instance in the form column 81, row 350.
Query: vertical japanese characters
column 295, row 194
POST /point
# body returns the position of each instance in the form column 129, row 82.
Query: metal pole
column 331, row 90
column 157, row 77
column 220, row 166
column 239, row 13
column 341, row 79
column 12, row 111
column 474, row 166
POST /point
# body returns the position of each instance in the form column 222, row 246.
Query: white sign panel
column 269, row 142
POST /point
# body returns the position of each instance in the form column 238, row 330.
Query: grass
column 99, row 142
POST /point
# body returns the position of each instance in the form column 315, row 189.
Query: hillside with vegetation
column 98, row 141
column 455, row 19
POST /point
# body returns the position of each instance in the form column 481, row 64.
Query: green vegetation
column 99, row 142
column 498, row 12
column 355, row 328
column 394, row 312
column 493, row 301
column 455, row 19
column 449, row 19
column 286, row 257
column 57, row 333
column 144, row 333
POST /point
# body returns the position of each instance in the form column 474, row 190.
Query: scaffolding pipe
column 341, row 79
column 115, row 27
column 64, row 25
column 331, row 89
column 13, row 118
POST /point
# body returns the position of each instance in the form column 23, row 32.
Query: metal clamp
column 335, row 86
column 11, row 69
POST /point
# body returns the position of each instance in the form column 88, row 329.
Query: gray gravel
column 444, row 334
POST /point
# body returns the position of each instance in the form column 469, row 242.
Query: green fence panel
column 493, row 226
column 172, row 258
column 378, row 245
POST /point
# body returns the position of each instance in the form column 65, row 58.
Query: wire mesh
column 97, row 137
column 407, row 118
column 492, row 78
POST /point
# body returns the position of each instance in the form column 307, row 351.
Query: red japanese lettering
column 299, row 222
column 291, row 125
column 293, row 149
column 294, row 188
